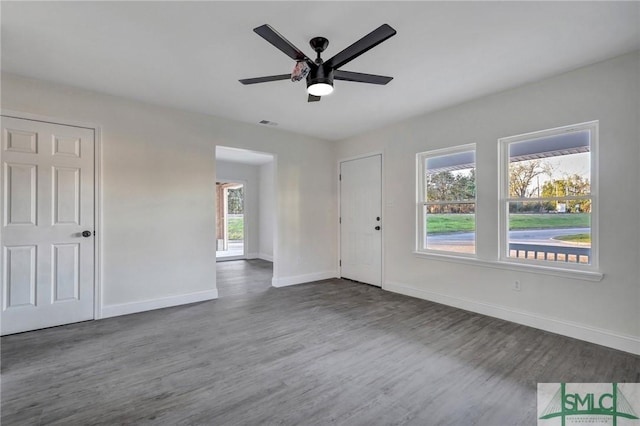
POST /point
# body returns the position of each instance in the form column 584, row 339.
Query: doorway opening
column 245, row 220
column 230, row 220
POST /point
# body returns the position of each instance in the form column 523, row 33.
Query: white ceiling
column 190, row 55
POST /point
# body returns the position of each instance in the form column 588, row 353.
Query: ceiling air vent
column 268, row 123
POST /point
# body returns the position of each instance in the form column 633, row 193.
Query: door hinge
column 340, row 220
column 340, row 262
column 340, row 177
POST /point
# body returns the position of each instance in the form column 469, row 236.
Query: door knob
column 86, row 234
column 377, row 228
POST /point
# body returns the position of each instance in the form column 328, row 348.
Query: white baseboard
column 554, row 325
column 264, row 256
column 164, row 302
column 228, row 258
column 252, row 255
column 300, row 279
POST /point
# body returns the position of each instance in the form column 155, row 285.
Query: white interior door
column 361, row 219
column 47, row 203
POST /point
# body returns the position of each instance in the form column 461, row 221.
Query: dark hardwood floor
column 235, row 277
column 330, row 352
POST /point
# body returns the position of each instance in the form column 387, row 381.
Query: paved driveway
column 529, row 236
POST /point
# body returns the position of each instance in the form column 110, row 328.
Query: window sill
column 512, row 266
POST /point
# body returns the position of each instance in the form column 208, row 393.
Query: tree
column 447, row 186
column 522, row 174
column 466, row 185
column 440, row 186
column 235, row 200
column 577, row 185
column 569, row 186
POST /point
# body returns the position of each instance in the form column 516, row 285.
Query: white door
column 361, row 219
column 47, row 203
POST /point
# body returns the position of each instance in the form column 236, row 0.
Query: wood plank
column 333, row 351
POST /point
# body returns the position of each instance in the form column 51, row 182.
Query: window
column 446, row 198
column 547, row 197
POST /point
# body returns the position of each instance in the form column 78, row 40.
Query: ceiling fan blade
column 367, row 42
column 272, row 36
column 266, row 79
column 360, row 77
column 313, row 98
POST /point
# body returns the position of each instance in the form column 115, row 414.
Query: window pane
column 550, row 177
column 450, row 177
column 449, row 192
column 450, row 227
column 556, row 231
column 554, row 166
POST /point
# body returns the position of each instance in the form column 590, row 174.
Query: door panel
column 20, row 276
column 66, row 271
column 48, row 200
column 360, row 214
column 20, row 194
column 66, row 195
column 20, row 141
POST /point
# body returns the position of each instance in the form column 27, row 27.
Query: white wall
column 607, row 312
column 158, row 203
column 158, row 198
column 267, row 210
column 250, row 175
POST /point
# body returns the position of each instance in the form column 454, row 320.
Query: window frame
column 505, row 199
column 421, row 203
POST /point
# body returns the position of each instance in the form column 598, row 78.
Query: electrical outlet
column 516, row 286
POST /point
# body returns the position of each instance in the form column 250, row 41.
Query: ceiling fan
column 320, row 74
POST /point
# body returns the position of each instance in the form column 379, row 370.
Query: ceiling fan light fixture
column 320, row 80
column 319, row 89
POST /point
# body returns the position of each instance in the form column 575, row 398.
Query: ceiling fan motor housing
column 320, row 74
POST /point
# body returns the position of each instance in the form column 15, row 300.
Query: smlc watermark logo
column 590, row 404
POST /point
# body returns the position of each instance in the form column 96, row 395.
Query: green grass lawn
column 440, row 223
column 575, row 238
column 236, row 228
column 549, row 220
